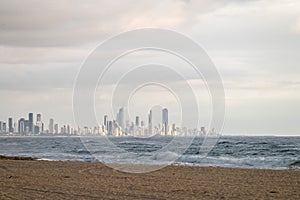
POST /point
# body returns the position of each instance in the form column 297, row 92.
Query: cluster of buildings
column 30, row 127
column 110, row 127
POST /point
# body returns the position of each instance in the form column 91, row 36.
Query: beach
column 36, row 179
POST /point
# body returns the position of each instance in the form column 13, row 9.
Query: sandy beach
column 33, row 179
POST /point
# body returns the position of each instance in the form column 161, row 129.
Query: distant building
column 121, row 118
column 36, row 130
column 56, row 128
column 110, row 128
column 68, row 129
column 21, row 126
column 16, row 127
column 10, row 125
column 165, row 120
column 51, row 126
column 30, row 122
column 38, row 118
column 4, row 128
column 137, row 121
column 150, row 128
column 105, row 122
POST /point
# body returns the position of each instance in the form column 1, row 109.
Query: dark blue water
column 241, row 152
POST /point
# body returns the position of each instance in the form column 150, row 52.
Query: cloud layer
column 253, row 43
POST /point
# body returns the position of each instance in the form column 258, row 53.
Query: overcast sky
column 254, row 44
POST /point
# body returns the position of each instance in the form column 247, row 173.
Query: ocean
column 229, row 151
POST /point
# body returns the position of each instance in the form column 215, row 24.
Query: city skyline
column 110, row 127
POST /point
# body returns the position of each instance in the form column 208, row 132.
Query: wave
column 295, row 165
column 166, row 156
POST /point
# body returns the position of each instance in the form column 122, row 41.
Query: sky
column 254, row 44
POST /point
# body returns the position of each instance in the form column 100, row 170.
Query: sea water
column 229, row 151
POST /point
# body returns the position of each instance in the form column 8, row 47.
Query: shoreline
column 30, row 178
column 4, row 157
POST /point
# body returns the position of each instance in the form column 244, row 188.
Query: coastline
column 24, row 178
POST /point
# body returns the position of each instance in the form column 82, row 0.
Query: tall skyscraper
column 4, row 129
column 30, row 122
column 51, row 126
column 68, row 129
column 121, row 118
column 56, row 128
column 165, row 120
column 137, row 121
column 39, row 124
column 110, row 128
column 21, row 126
column 150, row 123
column 16, row 127
column 105, row 122
column 10, row 125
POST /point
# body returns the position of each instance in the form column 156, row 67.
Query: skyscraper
column 38, row 118
column 137, row 121
column 30, row 122
column 165, row 120
column 110, row 128
column 4, row 129
column 56, row 128
column 105, row 122
column 121, row 119
column 21, row 126
column 150, row 123
column 10, row 125
column 39, row 124
column 16, row 127
column 51, row 126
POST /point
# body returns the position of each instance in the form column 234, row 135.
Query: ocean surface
column 229, row 151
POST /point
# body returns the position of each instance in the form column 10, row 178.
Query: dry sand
column 32, row 179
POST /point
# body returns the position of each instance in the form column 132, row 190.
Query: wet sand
column 33, row 179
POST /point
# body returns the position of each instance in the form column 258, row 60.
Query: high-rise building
column 110, row 128
column 38, row 118
column 150, row 123
column 26, row 126
column 21, row 126
column 30, row 122
column 68, row 129
column 36, row 129
column 137, row 121
column 121, row 118
column 105, row 122
column 4, row 128
column 39, row 124
column 65, row 129
column 165, row 120
column 51, row 126
column 16, row 127
column 56, row 128
column 10, row 125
